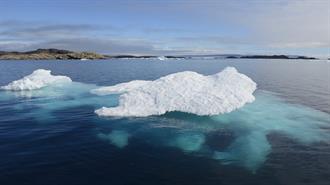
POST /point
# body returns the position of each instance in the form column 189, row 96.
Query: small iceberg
column 161, row 58
column 38, row 79
column 187, row 91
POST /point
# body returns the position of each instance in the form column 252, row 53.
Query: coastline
column 58, row 54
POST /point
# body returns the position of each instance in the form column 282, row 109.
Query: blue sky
column 168, row 27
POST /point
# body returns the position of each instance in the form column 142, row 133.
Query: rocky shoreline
column 57, row 54
column 50, row 54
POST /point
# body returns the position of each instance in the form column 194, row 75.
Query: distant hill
column 58, row 54
column 237, row 56
column 277, row 57
column 50, row 54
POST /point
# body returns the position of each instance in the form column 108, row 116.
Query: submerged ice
column 171, row 95
column 184, row 91
column 269, row 115
column 188, row 142
column 248, row 130
column 38, row 79
column 119, row 138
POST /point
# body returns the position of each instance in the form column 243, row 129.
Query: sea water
column 52, row 135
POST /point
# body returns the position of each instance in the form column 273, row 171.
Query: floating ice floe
column 184, row 92
column 38, row 79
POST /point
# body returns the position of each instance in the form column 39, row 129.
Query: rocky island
column 50, row 54
column 59, row 54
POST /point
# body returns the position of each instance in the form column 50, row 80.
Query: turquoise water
column 52, row 136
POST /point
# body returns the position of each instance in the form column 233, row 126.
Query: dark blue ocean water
column 54, row 137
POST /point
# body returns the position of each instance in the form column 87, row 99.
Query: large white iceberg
column 38, row 79
column 184, row 91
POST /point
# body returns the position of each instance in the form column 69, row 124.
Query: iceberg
column 38, row 79
column 161, row 58
column 187, row 91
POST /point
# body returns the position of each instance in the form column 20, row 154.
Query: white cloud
column 196, row 26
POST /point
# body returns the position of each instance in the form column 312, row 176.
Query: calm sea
column 282, row 138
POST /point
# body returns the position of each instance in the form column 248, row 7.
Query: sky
column 168, row 27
